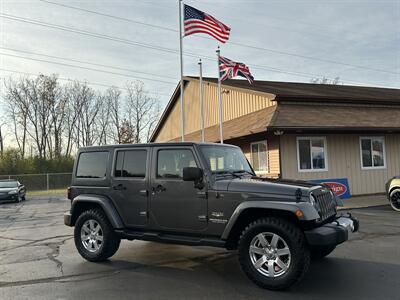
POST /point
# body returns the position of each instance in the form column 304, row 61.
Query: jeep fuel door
column 129, row 186
column 176, row 204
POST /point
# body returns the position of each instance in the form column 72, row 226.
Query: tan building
column 298, row 130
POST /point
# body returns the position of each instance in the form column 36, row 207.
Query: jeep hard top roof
column 166, row 144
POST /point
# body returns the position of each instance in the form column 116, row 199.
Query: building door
column 130, row 185
column 176, row 204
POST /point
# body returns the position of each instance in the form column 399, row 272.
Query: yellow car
column 393, row 192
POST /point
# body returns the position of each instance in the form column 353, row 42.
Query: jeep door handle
column 159, row 188
column 119, row 187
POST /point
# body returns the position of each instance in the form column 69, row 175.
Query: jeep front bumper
column 333, row 233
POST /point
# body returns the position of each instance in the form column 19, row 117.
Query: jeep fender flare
column 104, row 202
column 309, row 212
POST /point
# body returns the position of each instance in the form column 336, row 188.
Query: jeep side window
column 92, row 164
column 131, row 163
column 170, row 163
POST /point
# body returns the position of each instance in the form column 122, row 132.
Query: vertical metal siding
column 344, row 161
column 235, row 104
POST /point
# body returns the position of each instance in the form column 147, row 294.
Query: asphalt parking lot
column 38, row 260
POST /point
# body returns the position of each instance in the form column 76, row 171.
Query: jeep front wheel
column 94, row 236
column 273, row 253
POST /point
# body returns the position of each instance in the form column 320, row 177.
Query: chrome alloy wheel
column 92, row 236
column 270, row 254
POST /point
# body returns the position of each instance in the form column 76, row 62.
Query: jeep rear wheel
column 273, row 253
column 94, row 236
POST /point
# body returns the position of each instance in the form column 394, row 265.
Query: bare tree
column 58, row 111
column 54, row 119
column 325, row 80
column 90, row 109
column 16, row 103
column 126, row 133
column 103, row 119
column 1, row 140
column 114, row 99
column 142, row 110
column 72, row 94
column 41, row 93
column 155, row 115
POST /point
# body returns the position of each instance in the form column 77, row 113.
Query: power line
column 79, row 81
column 110, row 16
column 168, row 50
column 163, row 49
column 241, row 44
column 81, row 61
column 87, row 33
column 124, row 41
column 86, row 68
column 305, row 75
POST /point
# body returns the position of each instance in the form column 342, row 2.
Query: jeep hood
column 264, row 185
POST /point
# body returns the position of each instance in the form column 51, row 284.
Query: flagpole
column 221, row 133
column 181, row 62
column 201, row 99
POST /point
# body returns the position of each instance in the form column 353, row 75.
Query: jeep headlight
column 13, row 192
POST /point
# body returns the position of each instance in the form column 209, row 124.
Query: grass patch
column 57, row 192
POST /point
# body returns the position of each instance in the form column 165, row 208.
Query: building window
column 372, row 152
column 311, row 154
column 259, row 156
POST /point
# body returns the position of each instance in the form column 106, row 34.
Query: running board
column 171, row 238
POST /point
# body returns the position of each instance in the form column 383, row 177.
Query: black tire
column 295, row 241
column 23, row 198
column 394, row 198
column 321, row 252
column 110, row 242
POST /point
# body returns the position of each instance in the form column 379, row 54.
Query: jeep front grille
column 326, row 204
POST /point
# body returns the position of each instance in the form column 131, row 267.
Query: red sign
column 338, row 188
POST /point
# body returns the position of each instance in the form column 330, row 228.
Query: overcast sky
column 362, row 38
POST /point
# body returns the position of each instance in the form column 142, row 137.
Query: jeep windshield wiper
column 226, row 172
column 243, row 172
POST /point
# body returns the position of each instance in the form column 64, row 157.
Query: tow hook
column 348, row 221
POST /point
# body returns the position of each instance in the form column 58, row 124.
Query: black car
column 11, row 189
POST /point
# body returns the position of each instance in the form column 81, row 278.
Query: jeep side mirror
column 192, row 174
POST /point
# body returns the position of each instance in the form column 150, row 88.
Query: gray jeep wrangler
column 202, row 194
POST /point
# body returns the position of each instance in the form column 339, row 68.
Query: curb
column 362, row 206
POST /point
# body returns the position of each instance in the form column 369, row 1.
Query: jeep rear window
column 92, row 164
column 131, row 163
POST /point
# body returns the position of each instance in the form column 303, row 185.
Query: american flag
column 196, row 21
column 230, row 69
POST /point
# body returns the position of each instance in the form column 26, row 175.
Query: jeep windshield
column 226, row 161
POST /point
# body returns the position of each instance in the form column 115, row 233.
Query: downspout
column 279, row 134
